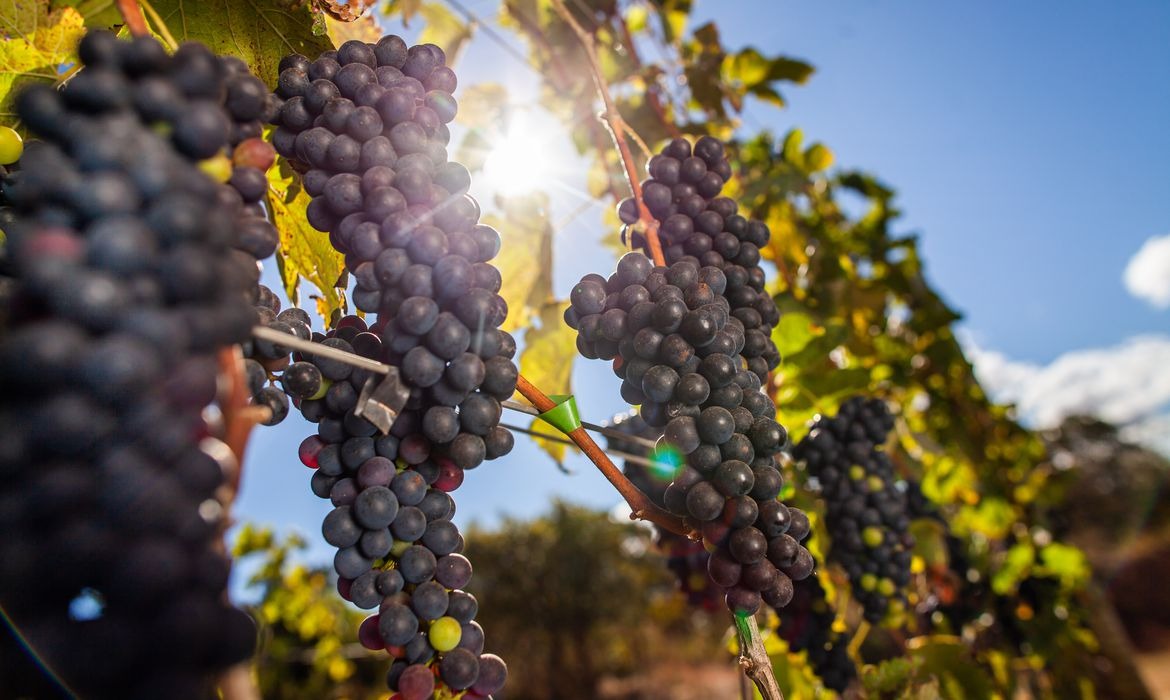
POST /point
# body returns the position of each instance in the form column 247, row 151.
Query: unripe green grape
column 445, row 634
column 11, row 145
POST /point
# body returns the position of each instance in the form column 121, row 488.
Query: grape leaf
column 483, row 106
column 525, row 260
column 38, row 43
column 444, row 30
column 260, row 33
column 547, row 362
column 365, row 28
column 304, row 251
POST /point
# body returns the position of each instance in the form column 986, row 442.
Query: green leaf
column 260, row 33
column 748, row 67
column 38, row 43
column 1016, row 566
column 789, row 69
column 525, row 260
column 791, row 149
column 793, row 333
column 674, row 14
column 1066, row 563
column 547, row 362
column 949, row 660
column 636, row 18
column 102, row 14
column 304, row 252
column 445, row 30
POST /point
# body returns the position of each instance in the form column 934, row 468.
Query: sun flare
column 523, row 158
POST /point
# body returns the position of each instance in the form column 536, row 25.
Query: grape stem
column 135, row 20
column 617, row 130
column 753, row 657
column 239, row 418
column 641, row 508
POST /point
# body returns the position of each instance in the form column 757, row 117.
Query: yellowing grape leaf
column 304, row 252
column 444, row 30
column 364, row 28
column 39, row 43
column 547, row 362
column 525, row 260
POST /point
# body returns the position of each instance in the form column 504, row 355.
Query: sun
column 524, row 158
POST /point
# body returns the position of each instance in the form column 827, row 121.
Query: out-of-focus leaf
column 406, row 9
column 259, row 33
column 791, row 148
column 473, row 151
column 483, row 106
column 636, row 18
column 97, row 13
column 547, row 362
column 948, row 659
column 39, row 42
column 818, row 157
column 525, row 260
column 1016, row 566
column 789, row 69
column 549, row 351
column 553, row 448
column 445, row 30
column 674, row 14
column 304, row 252
column 792, row 333
column 1066, row 563
column 747, row 67
column 365, row 28
column 930, row 542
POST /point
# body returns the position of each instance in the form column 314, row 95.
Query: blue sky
column 1028, row 143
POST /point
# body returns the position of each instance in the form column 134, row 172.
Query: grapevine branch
column 135, row 20
column 617, row 129
column 753, row 658
column 642, row 508
column 238, row 420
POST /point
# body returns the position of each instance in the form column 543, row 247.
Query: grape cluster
column 366, row 125
column 807, row 624
column 124, row 285
column 866, row 513
column 300, row 380
column 696, row 224
column 676, row 347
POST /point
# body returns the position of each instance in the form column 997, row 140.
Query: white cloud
column 1147, row 275
column 1127, row 384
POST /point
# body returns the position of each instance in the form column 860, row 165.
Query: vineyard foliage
column 997, row 603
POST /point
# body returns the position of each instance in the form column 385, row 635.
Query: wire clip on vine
column 564, row 416
column 380, row 402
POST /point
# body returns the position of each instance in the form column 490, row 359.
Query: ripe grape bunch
column 695, row 223
column 366, row 125
column 866, row 514
column 124, row 284
column 676, row 347
column 807, row 624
